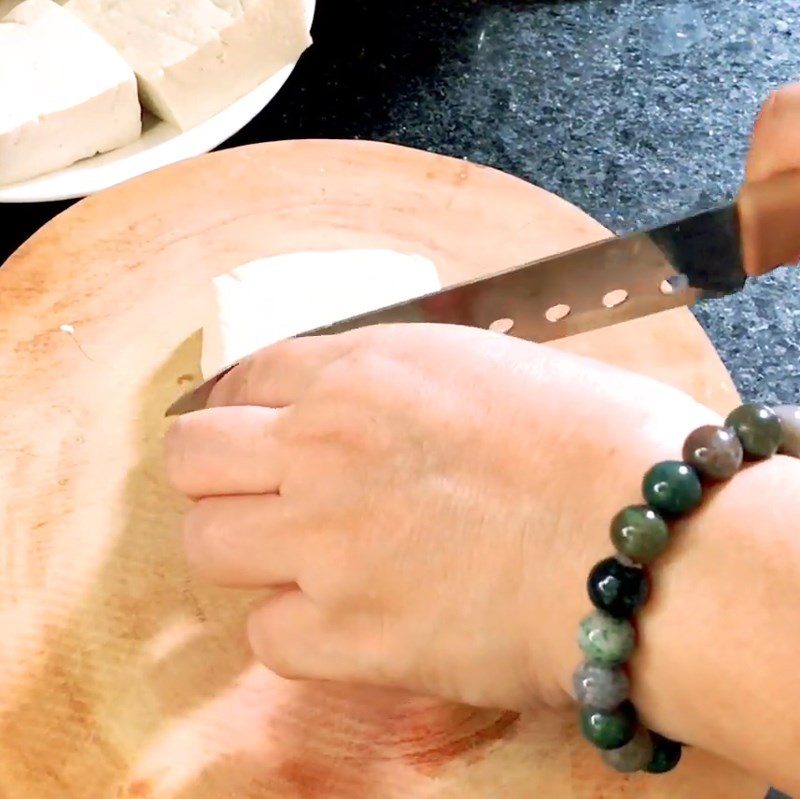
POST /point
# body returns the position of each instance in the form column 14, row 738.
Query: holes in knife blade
column 674, row 284
column 557, row 312
column 615, row 298
column 501, row 325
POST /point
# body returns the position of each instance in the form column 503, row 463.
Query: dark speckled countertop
column 634, row 110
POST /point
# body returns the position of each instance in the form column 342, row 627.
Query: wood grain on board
column 123, row 677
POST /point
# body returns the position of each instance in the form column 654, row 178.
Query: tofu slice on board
column 265, row 301
column 193, row 58
column 65, row 94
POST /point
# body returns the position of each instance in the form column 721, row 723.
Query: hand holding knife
column 707, row 255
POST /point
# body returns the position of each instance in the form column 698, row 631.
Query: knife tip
column 181, row 406
column 197, row 398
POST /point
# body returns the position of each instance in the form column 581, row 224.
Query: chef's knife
column 702, row 256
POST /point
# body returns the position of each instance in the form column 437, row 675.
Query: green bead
column 639, row 533
column 758, row 428
column 636, row 755
column 666, row 755
column 609, row 729
column 672, row 487
column 606, row 641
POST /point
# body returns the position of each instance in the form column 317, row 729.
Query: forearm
column 720, row 643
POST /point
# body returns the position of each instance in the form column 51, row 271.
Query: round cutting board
column 122, row 676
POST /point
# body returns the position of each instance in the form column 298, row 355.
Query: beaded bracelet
column 620, row 585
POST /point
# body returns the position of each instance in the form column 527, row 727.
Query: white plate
column 161, row 144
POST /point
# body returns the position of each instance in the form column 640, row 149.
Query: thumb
column 775, row 143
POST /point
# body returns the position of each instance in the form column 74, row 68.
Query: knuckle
column 356, row 373
column 280, row 665
column 285, row 427
column 382, row 335
column 176, row 461
column 234, row 387
column 270, row 648
column 222, row 392
column 199, row 530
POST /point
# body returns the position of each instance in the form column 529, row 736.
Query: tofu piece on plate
column 193, row 58
column 65, row 94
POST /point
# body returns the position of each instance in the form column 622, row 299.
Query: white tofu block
column 193, row 58
column 272, row 299
column 65, row 94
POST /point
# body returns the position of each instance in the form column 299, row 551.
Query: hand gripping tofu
column 65, row 94
column 193, row 58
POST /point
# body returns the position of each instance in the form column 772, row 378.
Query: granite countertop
column 633, row 110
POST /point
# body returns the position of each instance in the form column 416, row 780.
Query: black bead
column 618, row 589
column 666, row 754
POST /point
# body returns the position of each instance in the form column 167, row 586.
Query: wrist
column 722, row 594
column 716, row 656
column 715, row 664
column 618, row 484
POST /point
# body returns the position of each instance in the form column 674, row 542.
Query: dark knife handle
column 769, row 214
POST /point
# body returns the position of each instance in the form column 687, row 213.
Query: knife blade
column 612, row 281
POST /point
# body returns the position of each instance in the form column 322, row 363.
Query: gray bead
column 715, row 452
column 600, row 687
column 790, row 429
column 634, row 756
column 606, row 641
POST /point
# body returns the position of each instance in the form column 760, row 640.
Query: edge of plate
column 104, row 171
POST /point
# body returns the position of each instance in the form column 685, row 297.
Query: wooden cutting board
column 121, row 676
